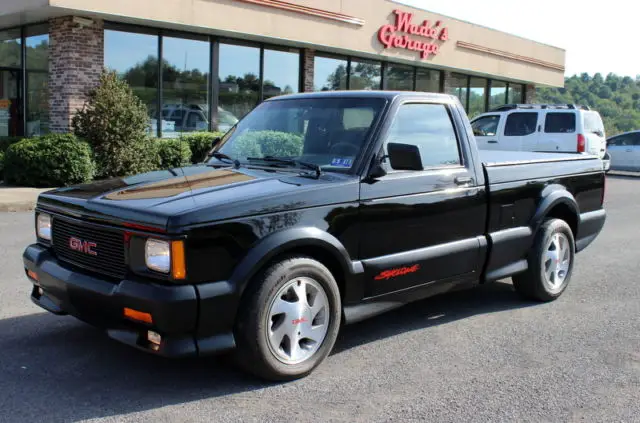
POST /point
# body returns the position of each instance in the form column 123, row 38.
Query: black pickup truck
column 315, row 210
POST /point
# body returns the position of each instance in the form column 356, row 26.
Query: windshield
column 328, row 132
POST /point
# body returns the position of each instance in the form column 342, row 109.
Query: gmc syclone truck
column 314, row 210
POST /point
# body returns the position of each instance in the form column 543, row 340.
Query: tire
column 271, row 313
column 546, row 278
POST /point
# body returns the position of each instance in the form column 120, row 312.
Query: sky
column 597, row 37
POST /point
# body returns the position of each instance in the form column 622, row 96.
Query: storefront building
column 202, row 64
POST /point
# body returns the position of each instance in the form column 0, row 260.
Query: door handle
column 463, row 180
column 492, row 142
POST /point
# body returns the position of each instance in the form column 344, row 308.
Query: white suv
column 566, row 128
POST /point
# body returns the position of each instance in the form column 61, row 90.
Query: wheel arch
column 312, row 242
column 559, row 203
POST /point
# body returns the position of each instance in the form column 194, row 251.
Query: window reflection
column 399, row 77
column 239, row 79
column 281, row 72
column 134, row 57
column 37, row 64
column 477, row 96
column 498, row 94
column 428, row 80
column 516, row 92
column 10, row 48
column 185, row 82
column 458, row 87
column 365, row 75
column 329, row 74
column 10, row 83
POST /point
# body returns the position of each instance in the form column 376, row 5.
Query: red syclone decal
column 392, row 273
column 297, row 321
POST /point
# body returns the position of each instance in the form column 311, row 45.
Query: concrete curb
column 19, row 199
column 623, row 173
column 17, row 206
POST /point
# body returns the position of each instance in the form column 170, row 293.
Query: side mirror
column 404, row 156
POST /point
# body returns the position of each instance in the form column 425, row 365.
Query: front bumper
column 63, row 289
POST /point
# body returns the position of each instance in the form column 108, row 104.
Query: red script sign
column 389, row 35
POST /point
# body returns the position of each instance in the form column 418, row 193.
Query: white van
column 562, row 128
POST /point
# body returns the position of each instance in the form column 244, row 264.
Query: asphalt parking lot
column 480, row 355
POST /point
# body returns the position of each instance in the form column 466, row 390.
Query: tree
column 616, row 98
column 114, row 122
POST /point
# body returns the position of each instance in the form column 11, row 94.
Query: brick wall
column 76, row 59
column 308, row 56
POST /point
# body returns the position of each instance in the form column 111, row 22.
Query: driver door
column 422, row 226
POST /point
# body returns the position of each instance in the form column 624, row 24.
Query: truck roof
column 389, row 95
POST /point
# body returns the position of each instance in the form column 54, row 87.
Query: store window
column 515, row 93
column 427, row 80
column 498, row 96
column 281, row 72
column 37, row 71
column 329, row 74
column 477, row 96
column 365, row 75
column 10, row 83
column 185, row 86
column 239, row 79
column 458, row 87
column 399, row 77
column 10, row 45
column 134, row 57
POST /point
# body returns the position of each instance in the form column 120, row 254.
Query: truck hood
column 170, row 199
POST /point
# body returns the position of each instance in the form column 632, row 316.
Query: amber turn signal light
column 33, row 275
column 178, row 267
column 138, row 316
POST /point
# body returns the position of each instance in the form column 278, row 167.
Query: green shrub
column 267, row 143
column 114, row 122
column 173, row 152
column 200, row 144
column 5, row 142
column 49, row 161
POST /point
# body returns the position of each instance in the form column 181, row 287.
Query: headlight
column 157, row 255
column 43, row 226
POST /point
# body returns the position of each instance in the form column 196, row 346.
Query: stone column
column 76, row 59
column 445, row 84
column 530, row 94
column 308, row 56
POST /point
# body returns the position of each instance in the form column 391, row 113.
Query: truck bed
column 511, row 166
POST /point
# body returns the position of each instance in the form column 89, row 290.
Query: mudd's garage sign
column 398, row 35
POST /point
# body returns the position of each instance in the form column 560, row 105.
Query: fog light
column 40, row 292
column 154, row 337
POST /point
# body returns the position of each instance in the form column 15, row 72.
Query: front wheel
column 289, row 319
column 550, row 263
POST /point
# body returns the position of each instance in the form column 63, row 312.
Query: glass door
column 10, row 102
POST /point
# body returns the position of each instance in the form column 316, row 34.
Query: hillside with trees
column 617, row 98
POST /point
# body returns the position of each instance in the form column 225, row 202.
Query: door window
column 486, row 126
column 521, row 124
column 621, row 140
column 560, row 123
column 429, row 127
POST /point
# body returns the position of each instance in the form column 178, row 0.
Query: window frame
column 506, row 123
column 488, row 116
column 546, row 122
column 462, row 164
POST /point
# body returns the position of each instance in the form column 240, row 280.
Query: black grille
column 109, row 247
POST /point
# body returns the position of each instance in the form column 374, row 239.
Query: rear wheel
column 289, row 319
column 550, row 263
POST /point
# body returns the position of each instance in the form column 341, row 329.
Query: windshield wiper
column 222, row 157
column 289, row 162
